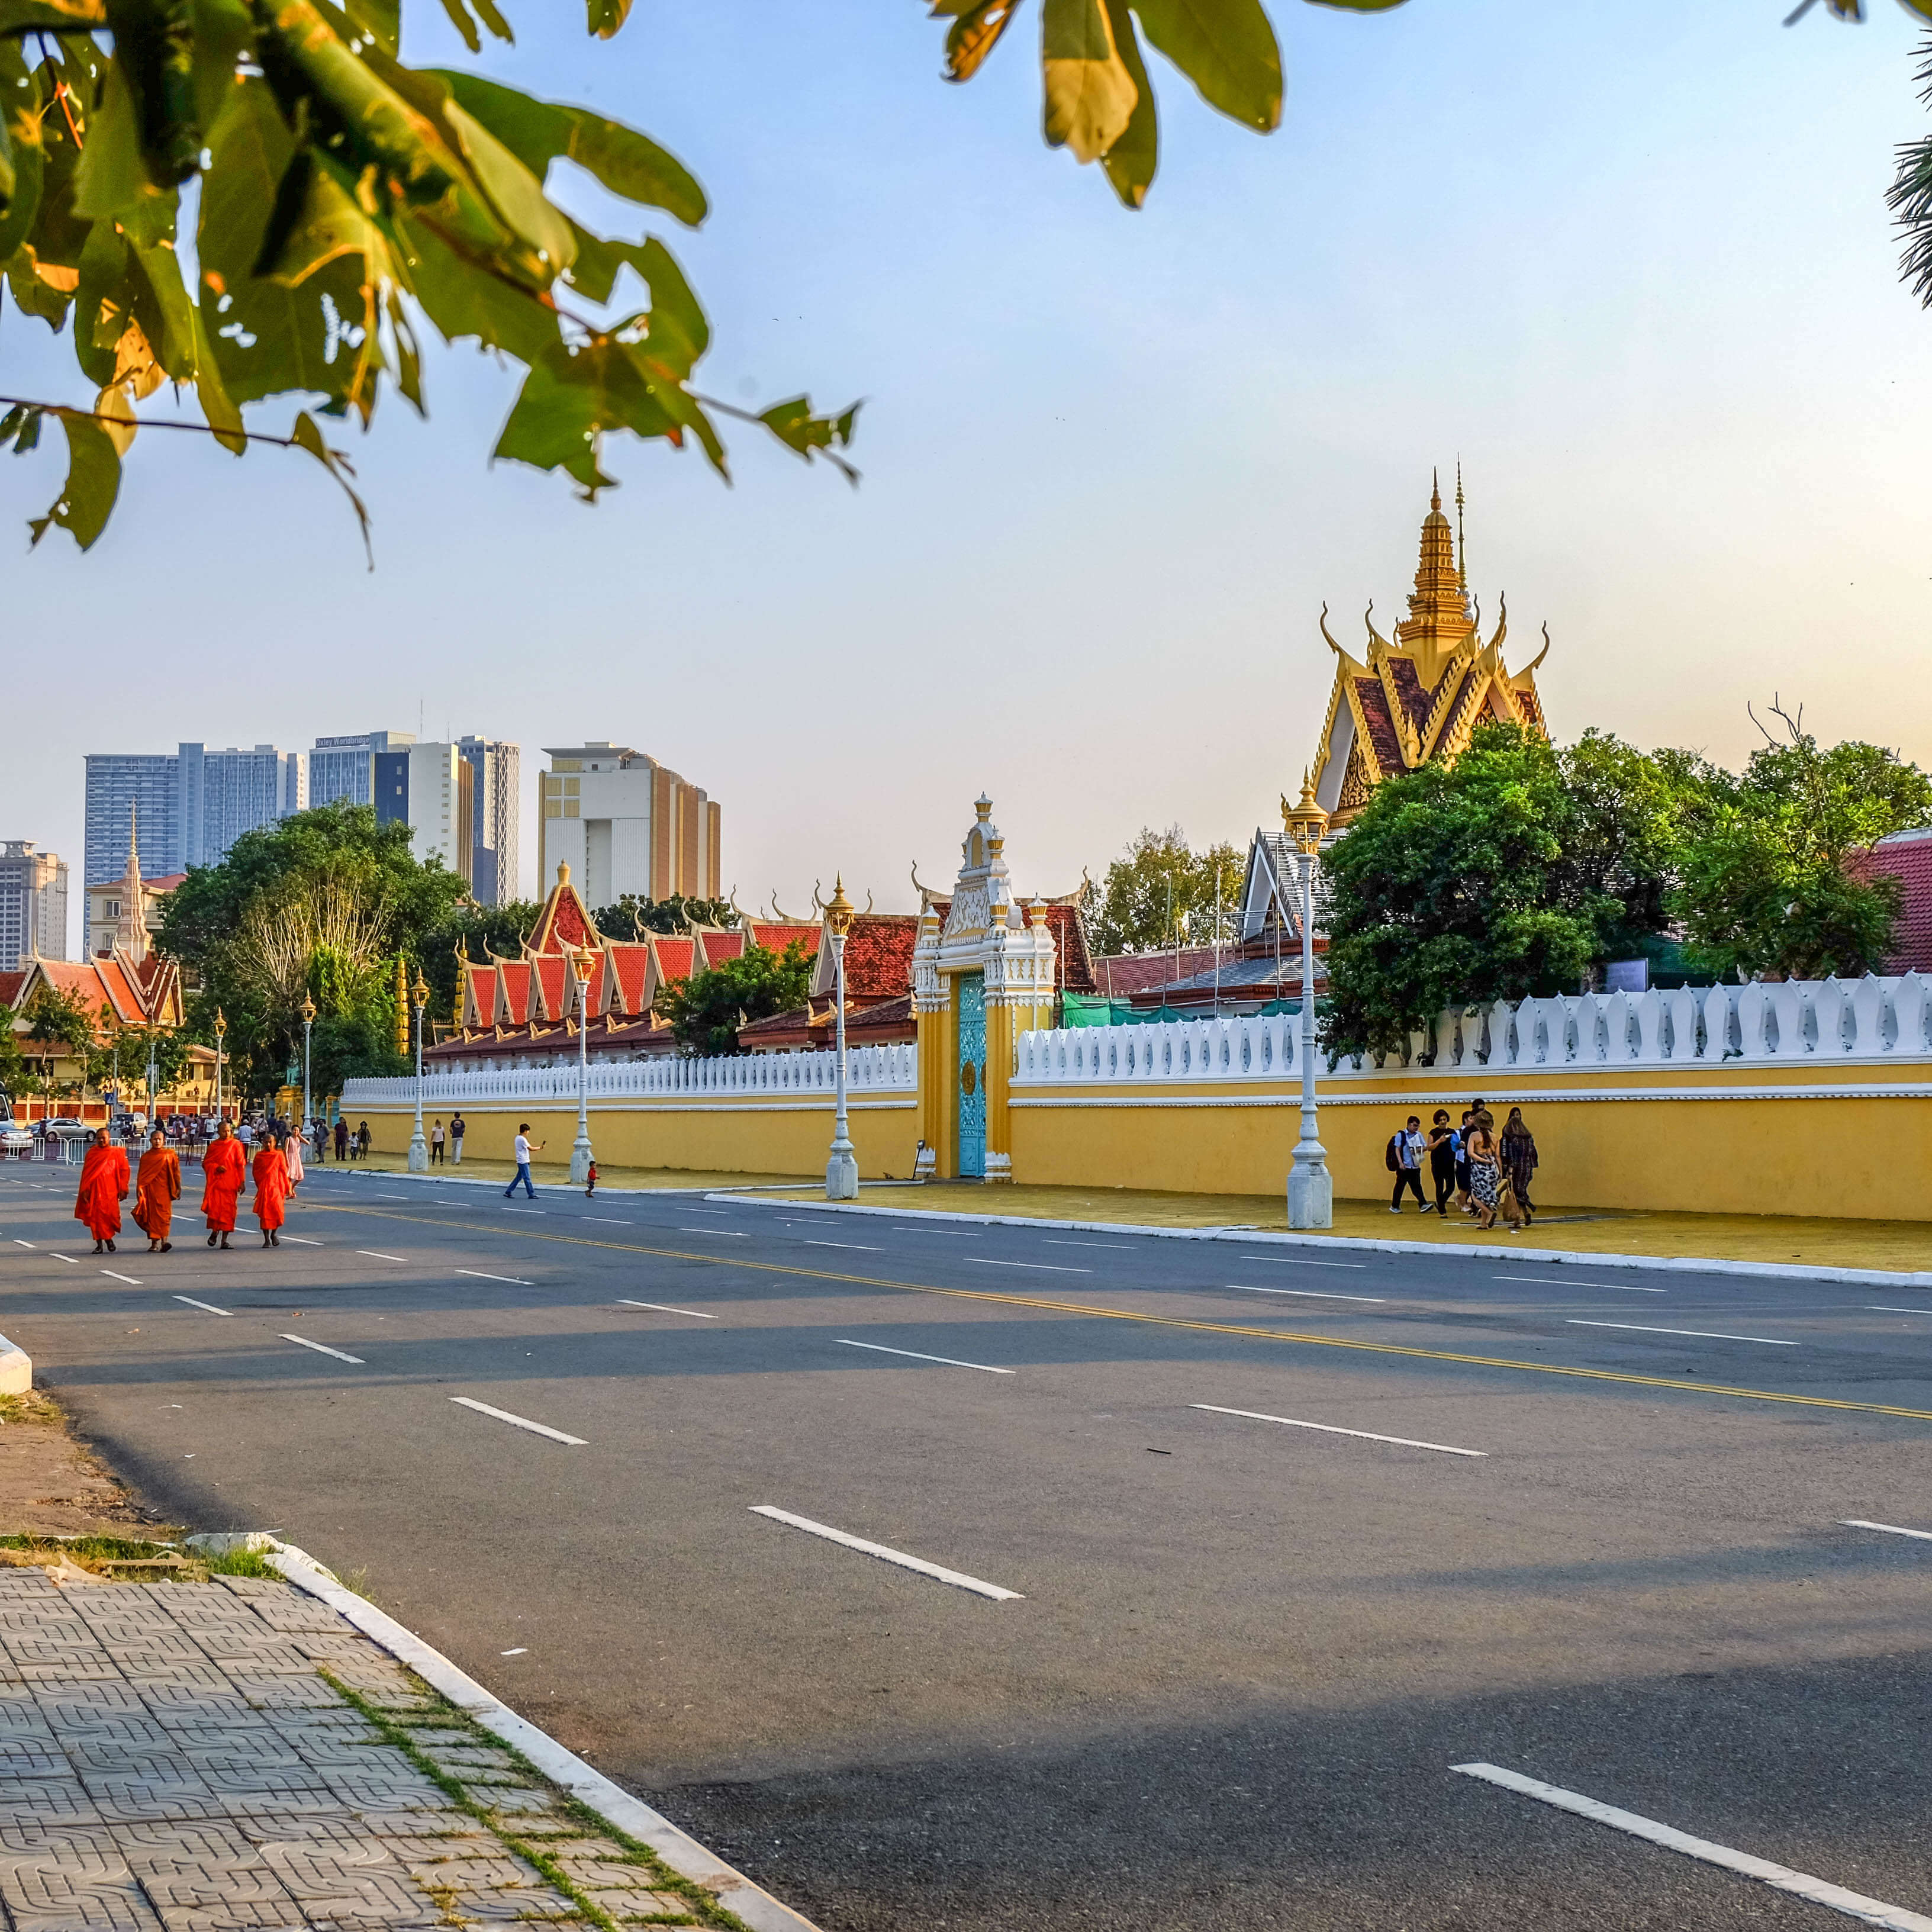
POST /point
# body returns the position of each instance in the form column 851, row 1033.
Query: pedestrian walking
column 435, row 1145
column 1485, row 1170
column 342, row 1140
column 271, row 1191
column 1518, row 1154
column 1445, row 1148
column 456, row 1138
column 523, row 1156
column 223, row 1169
column 1462, row 1133
column 156, row 1188
column 362, row 1139
column 1404, row 1159
column 590, row 1191
column 292, row 1153
column 103, row 1186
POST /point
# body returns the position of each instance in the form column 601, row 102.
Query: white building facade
column 624, row 823
column 33, row 905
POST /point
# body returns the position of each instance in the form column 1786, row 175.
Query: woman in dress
column 292, row 1153
column 1518, row 1154
column 1485, row 1171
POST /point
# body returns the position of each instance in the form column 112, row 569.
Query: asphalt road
column 1243, row 1655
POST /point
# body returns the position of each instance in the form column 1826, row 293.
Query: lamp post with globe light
column 1311, row 1188
column 418, row 1143
column 308, row 1021
column 581, row 960
column 220, row 1032
column 841, row 1168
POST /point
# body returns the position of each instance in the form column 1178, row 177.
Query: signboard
column 1628, row 976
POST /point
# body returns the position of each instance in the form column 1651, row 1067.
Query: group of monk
column 105, row 1180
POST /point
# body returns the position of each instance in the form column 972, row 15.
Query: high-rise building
column 428, row 787
column 194, row 803
column 497, row 806
column 344, row 768
column 33, row 905
column 624, row 823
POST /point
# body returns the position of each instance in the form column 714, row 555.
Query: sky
column 1631, row 263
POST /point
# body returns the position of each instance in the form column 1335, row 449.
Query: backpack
column 1388, row 1154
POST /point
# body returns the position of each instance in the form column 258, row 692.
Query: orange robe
column 223, row 1172
column 156, row 1188
column 271, row 1187
column 104, row 1180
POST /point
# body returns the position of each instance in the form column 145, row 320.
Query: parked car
column 16, row 1142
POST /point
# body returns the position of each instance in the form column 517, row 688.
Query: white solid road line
column 18, row 1243
column 1117, row 1247
column 856, row 1247
column 957, row 1578
column 375, row 1257
column 958, row 1233
column 1307, row 1293
column 1329, row 1429
column 1296, row 1260
column 68, row 1259
column 1539, row 1281
column 128, row 1278
column 664, row 1308
column 395, row 1197
column 322, row 1348
column 1704, row 1334
column 526, row 1210
column 1800, row 1885
column 208, row 1305
column 1872, row 1307
column 515, row 1281
column 602, row 1221
column 1044, row 1267
column 733, row 1232
column 300, row 1242
column 521, row 1422
column 1890, row 1528
column 951, row 1361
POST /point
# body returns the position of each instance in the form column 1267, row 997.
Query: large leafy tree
column 1161, row 893
column 706, row 1010
column 1770, row 880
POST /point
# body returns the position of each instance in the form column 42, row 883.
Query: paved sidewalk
column 172, row 1756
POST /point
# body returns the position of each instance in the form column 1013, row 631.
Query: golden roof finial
column 1462, row 555
column 1435, row 489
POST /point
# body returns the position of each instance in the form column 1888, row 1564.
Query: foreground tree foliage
column 706, row 1010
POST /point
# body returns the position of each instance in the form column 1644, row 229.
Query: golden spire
column 1462, row 555
column 1439, row 623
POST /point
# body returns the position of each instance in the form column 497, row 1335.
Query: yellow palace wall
column 1741, row 1139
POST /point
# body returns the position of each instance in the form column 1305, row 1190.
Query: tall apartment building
column 428, row 787
column 624, row 823
column 344, row 768
column 496, row 791
column 194, row 803
column 33, row 905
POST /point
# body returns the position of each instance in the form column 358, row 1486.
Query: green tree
column 634, row 914
column 706, row 1010
column 482, row 930
column 1768, row 881
column 1161, row 893
column 1451, row 886
column 17, row 1078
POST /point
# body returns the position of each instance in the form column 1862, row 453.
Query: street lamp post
column 220, row 1034
column 308, row 1021
column 418, row 1144
column 841, row 1166
column 580, row 1148
column 1311, row 1188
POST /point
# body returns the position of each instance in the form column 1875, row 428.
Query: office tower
column 343, row 768
column 193, row 804
column 497, row 793
column 33, row 905
column 624, row 823
column 429, row 788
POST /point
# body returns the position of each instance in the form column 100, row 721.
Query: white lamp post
column 1311, row 1188
column 580, row 1148
column 221, row 1030
column 308, row 1021
column 418, row 1144
column 841, row 1168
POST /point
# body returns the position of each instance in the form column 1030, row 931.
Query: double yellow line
column 1675, row 1383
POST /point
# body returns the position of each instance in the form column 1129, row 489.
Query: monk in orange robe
column 156, row 1188
column 103, row 1186
column 224, row 1171
column 272, row 1190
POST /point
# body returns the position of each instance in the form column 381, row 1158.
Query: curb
column 685, row 1856
column 16, row 1369
column 1357, row 1243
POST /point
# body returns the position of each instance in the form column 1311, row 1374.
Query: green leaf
column 462, row 303
column 1227, row 48
column 21, row 427
column 305, row 435
column 1383, row 6
column 224, row 418
column 109, row 176
column 381, row 19
column 1131, row 161
column 155, row 54
column 607, row 16
column 222, row 31
column 86, row 499
column 538, row 132
column 678, row 333
column 974, row 33
column 795, row 426
column 53, row 16
column 20, row 99
column 1090, row 95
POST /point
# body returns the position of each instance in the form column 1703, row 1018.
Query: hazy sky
column 1631, row 261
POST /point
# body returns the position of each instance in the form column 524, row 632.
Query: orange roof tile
column 720, row 946
column 631, row 962
column 514, row 976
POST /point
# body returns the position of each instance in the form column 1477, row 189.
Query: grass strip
column 658, row 1875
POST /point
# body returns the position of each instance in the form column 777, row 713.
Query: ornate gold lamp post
column 418, row 1143
column 580, row 962
column 1311, row 1189
column 221, row 1032
column 308, row 1021
column 841, row 1168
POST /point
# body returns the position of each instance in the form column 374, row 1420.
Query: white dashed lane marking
column 514, row 1281
column 1890, row 1528
column 662, row 1309
column 520, row 1421
column 128, row 1278
column 208, row 1305
column 951, row 1362
column 957, row 1579
column 1308, row 1294
column 375, row 1257
column 1329, row 1429
column 1043, row 1267
column 1703, row 1334
column 322, row 1348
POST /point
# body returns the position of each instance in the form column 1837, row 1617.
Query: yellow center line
column 1046, row 1306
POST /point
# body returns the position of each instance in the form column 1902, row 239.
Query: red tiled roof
column 1120, row 975
column 10, row 986
column 776, row 938
column 675, row 959
column 878, row 956
column 1460, row 705
column 1407, row 683
column 548, row 969
column 1907, row 857
column 1383, row 737
column 1069, row 936
column 480, row 984
column 632, row 960
column 514, row 976
column 720, row 946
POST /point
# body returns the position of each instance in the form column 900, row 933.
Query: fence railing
column 1876, row 1019
column 869, row 1069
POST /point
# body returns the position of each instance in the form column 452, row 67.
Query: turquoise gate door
column 969, row 991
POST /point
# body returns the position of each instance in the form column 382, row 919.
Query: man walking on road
column 456, row 1138
column 1404, row 1162
column 523, row 1151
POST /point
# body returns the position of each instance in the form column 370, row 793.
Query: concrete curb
column 685, row 1856
column 1674, row 1264
column 16, row 1369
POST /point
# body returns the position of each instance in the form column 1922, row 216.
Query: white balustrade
column 1874, row 1019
